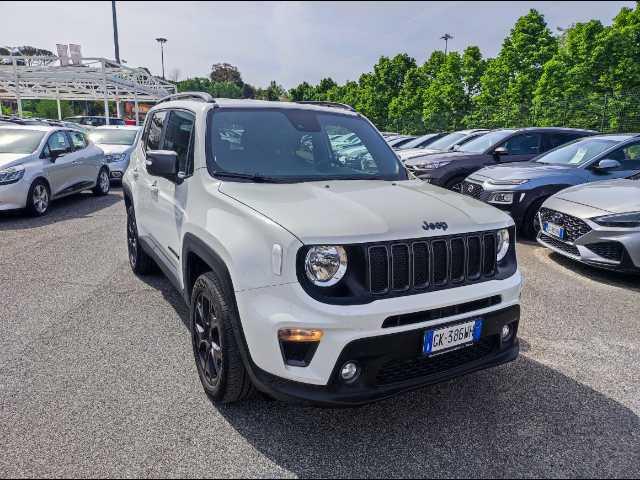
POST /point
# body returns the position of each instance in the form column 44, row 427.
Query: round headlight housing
column 325, row 265
column 503, row 244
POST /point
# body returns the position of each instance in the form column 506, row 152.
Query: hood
column 522, row 170
column 440, row 156
column 615, row 196
column 410, row 153
column 336, row 212
column 11, row 159
column 114, row 149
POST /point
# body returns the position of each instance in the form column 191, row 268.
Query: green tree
column 445, row 100
column 509, row 81
column 225, row 72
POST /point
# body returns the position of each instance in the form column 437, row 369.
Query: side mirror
column 163, row 163
column 501, row 151
column 607, row 164
column 54, row 154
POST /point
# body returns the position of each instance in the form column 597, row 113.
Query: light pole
column 162, row 41
column 446, row 37
column 115, row 30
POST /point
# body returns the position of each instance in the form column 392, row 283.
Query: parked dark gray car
column 499, row 146
column 521, row 188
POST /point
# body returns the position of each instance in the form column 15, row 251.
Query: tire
column 455, row 184
column 103, row 183
column 531, row 223
column 139, row 261
column 215, row 350
column 38, row 198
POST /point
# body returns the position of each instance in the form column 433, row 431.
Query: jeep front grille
column 574, row 227
column 430, row 264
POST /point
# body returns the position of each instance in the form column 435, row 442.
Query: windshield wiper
column 253, row 177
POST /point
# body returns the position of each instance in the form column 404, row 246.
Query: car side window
column 628, row 156
column 523, row 144
column 57, row 141
column 178, row 138
column 154, row 133
column 554, row 140
column 78, row 140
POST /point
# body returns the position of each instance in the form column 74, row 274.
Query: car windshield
column 577, row 153
column 447, row 141
column 14, row 140
column 417, row 142
column 113, row 136
column 484, row 142
column 298, row 145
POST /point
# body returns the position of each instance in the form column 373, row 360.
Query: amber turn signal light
column 299, row 335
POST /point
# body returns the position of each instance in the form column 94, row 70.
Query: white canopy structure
column 95, row 79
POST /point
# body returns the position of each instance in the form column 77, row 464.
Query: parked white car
column 308, row 276
column 117, row 142
column 40, row 163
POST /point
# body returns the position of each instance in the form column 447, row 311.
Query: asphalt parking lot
column 97, row 378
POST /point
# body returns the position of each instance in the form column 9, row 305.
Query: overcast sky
column 286, row 41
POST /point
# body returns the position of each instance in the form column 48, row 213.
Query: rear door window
column 78, row 140
column 524, row 144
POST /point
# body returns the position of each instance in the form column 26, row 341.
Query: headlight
column 509, row 182
column 503, row 244
column 501, row 198
column 11, row 175
column 116, row 157
column 431, row 165
column 325, row 265
column 624, row 220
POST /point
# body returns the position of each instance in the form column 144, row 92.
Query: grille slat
column 430, row 264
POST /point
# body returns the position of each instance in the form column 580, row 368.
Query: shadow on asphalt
column 521, row 418
column 617, row 279
column 79, row 205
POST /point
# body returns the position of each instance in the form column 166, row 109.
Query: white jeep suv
column 41, row 163
column 314, row 275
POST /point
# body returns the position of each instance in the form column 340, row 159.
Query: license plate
column 554, row 230
column 462, row 334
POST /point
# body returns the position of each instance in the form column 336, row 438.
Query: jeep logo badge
column 435, row 226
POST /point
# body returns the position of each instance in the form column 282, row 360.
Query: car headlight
column 624, row 220
column 501, row 198
column 116, row 157
column 518, row 181
column 325, row 265
column 431, row 165
column 11, row 174
column 503, row 244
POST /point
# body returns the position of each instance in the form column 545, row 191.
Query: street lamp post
column 162, row 41
column 446, row 37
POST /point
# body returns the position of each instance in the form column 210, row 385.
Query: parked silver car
column 596, row 223
column 41, row 163
column 117, row 142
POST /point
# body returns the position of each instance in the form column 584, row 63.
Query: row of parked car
column 44, row 160
column 576, row 191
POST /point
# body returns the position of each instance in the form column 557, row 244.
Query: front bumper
column 266, row 310
column 522, row 199
column 393, row 364
column 622, row 255
column 117, row 169
column 14, row 195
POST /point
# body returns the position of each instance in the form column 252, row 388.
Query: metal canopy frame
column 95, row 79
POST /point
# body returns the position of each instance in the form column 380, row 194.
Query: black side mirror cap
column 162, row 163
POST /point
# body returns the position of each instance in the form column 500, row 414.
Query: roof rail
column 322, row 103
column 202, row 96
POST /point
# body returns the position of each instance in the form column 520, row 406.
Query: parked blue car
column 521, row 188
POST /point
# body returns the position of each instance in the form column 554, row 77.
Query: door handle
column 135, row 173
column 75, row 162
column 154, row 187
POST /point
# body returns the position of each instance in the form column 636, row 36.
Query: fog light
column 506, row 332
column 349, row 371
column 299, row 335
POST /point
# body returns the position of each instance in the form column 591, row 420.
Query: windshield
column 113, row 136
column 484, row 142
column 577, row 153
column 13, row 140
column 447, row 141
column 299, row 145
column 417, row 142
